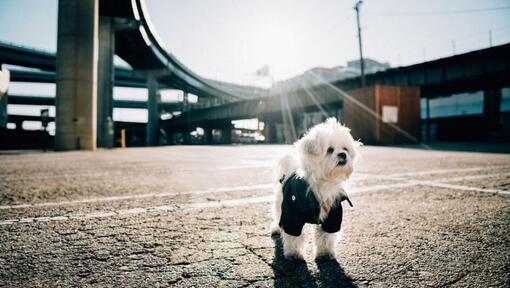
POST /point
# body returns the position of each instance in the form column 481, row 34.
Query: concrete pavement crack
column 455, row 280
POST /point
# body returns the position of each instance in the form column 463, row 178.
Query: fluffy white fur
column 315, row 158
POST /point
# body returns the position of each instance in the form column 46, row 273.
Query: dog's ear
column 309, row 144
column 355, row 145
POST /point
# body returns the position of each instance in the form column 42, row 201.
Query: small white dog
column 310, row 185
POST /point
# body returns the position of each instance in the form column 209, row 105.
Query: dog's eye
column 346, row 150
column 330, row 150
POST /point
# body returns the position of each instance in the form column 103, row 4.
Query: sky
column 230, row 40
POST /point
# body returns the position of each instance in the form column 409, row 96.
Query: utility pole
column 362, row 63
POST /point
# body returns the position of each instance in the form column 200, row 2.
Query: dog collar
column 326, row 209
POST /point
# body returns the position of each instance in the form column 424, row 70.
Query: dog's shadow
column 290, row 273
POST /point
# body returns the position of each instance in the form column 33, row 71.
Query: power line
column 431, row 40
column 449, row 12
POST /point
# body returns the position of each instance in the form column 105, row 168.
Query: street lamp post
column 362, row 63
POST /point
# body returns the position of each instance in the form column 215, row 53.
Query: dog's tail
column 284, row 167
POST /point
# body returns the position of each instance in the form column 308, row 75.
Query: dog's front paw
column 325, row 255
column 275, row 229
column 294, row 256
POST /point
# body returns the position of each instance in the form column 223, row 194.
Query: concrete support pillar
column 105, row 82
column 3, row 109
column 186, row 137
column 170, row 136
column 208, row 136
column 76, row 100
column 19, row 125
column 5, row 77
column 204, row 102
column 186, row 109
column 289, row 129
column 226, row 133
column 269, row 132
column 152, row 131
column 427, row 100
column 492, row 107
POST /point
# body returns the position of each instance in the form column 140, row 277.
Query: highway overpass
column 486, row 70
column 118, row 28
column 125, row 30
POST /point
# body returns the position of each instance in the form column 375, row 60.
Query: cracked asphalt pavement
column 198, row 216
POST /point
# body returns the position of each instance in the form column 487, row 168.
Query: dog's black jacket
column 300, row 206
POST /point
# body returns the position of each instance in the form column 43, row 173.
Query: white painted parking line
column 407, row 183
column 436, row 183
column 240, row 167
column 446, row 179
column 139, row 196
column 254, row 200
column 46, row 175
column 374, row 188
column 170, row 194
column 464, row 188
column 14, row 177
column 433, row 183
column 441, row 171
column 136, row 211
column 472, row 177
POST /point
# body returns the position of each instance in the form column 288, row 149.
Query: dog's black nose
column 342, row 155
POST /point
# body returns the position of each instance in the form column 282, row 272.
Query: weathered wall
column 363, row 113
